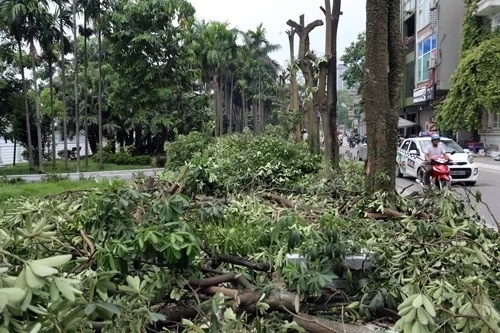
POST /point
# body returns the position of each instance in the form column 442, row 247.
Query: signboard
column 423, row 94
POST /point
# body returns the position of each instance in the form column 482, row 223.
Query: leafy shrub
column 124, row 158
column 243, row 161
column 183, row 149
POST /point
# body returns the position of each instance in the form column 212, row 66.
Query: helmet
column 435, row 137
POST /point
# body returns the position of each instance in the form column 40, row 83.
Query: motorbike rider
column 433, row 150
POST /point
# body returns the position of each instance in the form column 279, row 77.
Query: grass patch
column 43, row 189
column 23, row 168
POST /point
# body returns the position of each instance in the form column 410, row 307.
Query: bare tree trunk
column 306, row 67
column 217, row 105
column 52, row 113
column 37, row 108
column 330, row 113
column 99, row 99
column 86, row 91
column 77, row 111
column 294, row 89
column 243, row 110
column 31, row 162
column 230, row 114
column 63, row 88
column 381, row 91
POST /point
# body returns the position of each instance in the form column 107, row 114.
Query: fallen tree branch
column 314, row 324
column 263, row 267
column 212, row 281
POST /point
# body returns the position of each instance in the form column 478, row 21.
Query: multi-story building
column 432, row 36
column 341, row 84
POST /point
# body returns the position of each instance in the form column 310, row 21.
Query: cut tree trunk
column 294, row 90
column 314, row 324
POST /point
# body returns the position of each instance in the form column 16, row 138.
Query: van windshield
column 449, row 145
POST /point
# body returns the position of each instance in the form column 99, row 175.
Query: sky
column 248, row 14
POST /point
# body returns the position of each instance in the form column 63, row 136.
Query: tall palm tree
column 75, row 59
column 63, row 16
column 12, row 15
column 48, row 38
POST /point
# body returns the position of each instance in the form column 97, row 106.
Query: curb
column 488, row 166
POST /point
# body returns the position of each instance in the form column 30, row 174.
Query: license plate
column 457, row 173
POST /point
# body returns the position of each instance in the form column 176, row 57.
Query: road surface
column 488, row 184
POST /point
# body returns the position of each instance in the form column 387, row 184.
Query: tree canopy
column 354, row 59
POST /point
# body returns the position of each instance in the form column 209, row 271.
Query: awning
column 403, row 123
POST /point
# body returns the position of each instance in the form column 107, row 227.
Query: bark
column 86, row 91
column 52, row 112
column 230, row 113
column 77, row 111
column 63, row 89
column 381, row 92
column 99, row 97
column 332, row 155
column 314, row 324
column 37, row 108
column 306, row 68
column 31, row 162
column 294, row 89
column 217, row 105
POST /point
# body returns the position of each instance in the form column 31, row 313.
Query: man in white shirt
column 433, row 150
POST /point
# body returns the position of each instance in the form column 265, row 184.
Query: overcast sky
column 248, row 14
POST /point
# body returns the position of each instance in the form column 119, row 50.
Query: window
column 405, row 145
column 424, row 7
column 425, row 49
column 494, row 121
column 413, row 146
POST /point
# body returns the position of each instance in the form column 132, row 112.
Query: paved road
column 123, row 174
column 488, row 184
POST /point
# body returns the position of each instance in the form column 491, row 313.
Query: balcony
column 488, row 8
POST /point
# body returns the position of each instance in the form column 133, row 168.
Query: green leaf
column 65, row 289
column 89, row 309
column 13, row 295
column 41, row 270
column 33, row 280
column 109, row 307
column 36, row 328
column 54, row 261
column 134, row 283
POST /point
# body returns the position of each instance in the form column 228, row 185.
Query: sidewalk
column 124, row 174
column 487, row 163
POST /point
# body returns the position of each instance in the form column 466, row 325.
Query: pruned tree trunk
column 381, row 91
column 217, row 105
column 63, row 89
column 52, row 112
column 332, row 156
column 37, row 108
column 230, row 113
column 306, row 68
column 86, row 91
column 31, row 161
column 294, row 89
column 77, row 111
column 99, row 96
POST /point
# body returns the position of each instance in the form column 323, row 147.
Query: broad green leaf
column 54, row 261
column 41, row 270
column 27, row 301
column 36, row 328
column 229, row 314
column 13, row 295
column 21, row 280
column 89, row 309
column 109, row 307
column 33, row 280
column 65, row 289
column 134, row 283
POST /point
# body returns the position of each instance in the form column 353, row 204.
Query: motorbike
column 340, row 142
column 440, row 175
column 353, row 140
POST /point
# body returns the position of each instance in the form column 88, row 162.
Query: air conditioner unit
column 433, row 5
column 431, row 63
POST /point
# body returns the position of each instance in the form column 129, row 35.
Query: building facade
column 432, row 37
column 490, row 11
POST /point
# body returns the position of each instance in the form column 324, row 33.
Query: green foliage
column 354, row 59
column 123, row 158
column 244, row 161
column 474, row 89
column 182, row 150
column 474, row 85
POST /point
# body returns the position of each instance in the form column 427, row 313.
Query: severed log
column 278, row 300
column 315, row 324
column 263, row 267
column 212, row 281
column 174, row 313
column 279, row 200
column 388, row 213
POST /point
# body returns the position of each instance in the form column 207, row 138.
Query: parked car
column 410, row 157
column 362, row 153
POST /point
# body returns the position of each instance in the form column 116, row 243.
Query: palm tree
column 77, row 111
column 12, row 15
column 48, row 38
column 63, row 16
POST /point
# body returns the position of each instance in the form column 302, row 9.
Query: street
column 488, row 184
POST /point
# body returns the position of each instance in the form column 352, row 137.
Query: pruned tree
column 294, row 88
column 381, row 91
column 305, row 61
column 329, row 114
